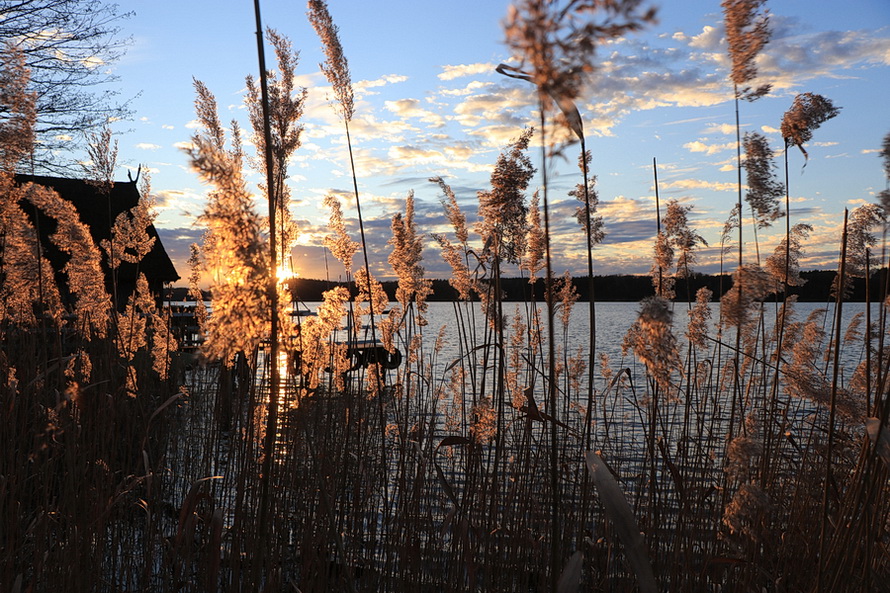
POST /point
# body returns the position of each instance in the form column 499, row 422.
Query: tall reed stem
column 591, row 300
column 823, row 532
column 657, row 220
column 555, row 531
column 272, row 415
column 736, row 388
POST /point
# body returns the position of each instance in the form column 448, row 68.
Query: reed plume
column 237, row 252
column 594, row 228
column 339, row 243
column 784, row 263
column 102, row 150
column 747, row 32
column 502, row 209
column 745, row 514
column 130, row 241
column 17, row 106
column 155, row 334
column 453, row 212
column 483, row 426
column 28, row 286
column 884, row 195
column 131, row 322
column 885, row 155
column 460, row 278
column 652, row 340
column 764, row 190
column 286, row 103
column 86, row 280
column 675, row 239
column 568, row 296
column 684, row 239
column 375, row 297
column 662, row 262
column 142, row 328
column 457, row 257
column 556, row 44
column 406, row 258
column 336, row 70
column 807, row 113
column 533, row 262
column 699, row 319
column 335, row 66
column 750, row 285
column 860, row 244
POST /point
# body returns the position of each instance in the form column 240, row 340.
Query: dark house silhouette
column 98, row 212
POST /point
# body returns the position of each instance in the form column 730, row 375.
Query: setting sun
column 285, row 273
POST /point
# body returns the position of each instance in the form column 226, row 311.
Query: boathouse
column 98, row 211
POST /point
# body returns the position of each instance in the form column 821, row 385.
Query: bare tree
column 68, row 47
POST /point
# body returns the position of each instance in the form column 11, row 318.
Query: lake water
column 613, row 319
column 623, row 409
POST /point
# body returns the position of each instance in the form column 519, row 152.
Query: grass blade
column 622, row 518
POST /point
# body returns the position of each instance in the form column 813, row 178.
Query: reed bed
column 745, row 449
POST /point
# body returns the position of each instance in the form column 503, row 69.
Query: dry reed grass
column 442, row 474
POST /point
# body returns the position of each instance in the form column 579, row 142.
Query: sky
column 429, row 103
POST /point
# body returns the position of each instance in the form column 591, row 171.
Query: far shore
column 613, row 288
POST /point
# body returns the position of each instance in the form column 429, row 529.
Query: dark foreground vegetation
column 743, row 450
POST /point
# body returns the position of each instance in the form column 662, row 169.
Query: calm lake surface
column 613, row 319
column 622, row 412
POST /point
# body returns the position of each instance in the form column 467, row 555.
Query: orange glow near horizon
column 285, row 273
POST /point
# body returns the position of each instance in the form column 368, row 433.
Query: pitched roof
column 98, row 213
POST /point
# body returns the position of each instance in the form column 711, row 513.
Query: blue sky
column 430, row 103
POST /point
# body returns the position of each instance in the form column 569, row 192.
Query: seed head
column 807, row 113
column 556, row 44
column 335, row 66
column 764, row 190
column 747, row 32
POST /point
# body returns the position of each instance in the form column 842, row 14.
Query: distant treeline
column 609, row 288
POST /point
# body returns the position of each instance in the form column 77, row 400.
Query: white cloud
column 700, row 146
column 790, row 60
column 505, row 106
column 693, row 73
column 364, row 85
column 709, row 39
column 699, row 184
column 450, row 72
column 473, row 87
column 622, row 208
column 411, row 108
column 680, row 36
column 495, row 136
column 168, row 197
column 725, row 129
column 147, row 146
column 413, row 154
